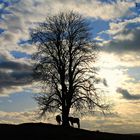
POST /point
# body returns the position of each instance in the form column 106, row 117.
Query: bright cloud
column 17, row 117
column 127, row 95
column 23, row 17
column 125, row 36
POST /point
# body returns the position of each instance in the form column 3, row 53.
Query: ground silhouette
column 44, row 131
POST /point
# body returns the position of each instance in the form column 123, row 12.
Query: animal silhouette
column 73, row 120
column 58, row 119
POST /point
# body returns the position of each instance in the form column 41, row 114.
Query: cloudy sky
column 116, row 30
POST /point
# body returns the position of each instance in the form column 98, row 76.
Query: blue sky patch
column 108, row 1
column 17, row 102
column 1, row 31
column 18, row 54
column 24, row 42
column 98, row 26
column 133, row 25
column 135, row 73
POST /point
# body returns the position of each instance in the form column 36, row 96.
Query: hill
column 44, row 131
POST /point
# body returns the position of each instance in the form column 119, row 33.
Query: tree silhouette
column 64, row 64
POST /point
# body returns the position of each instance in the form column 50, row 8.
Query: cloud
column 124, row 36
column 23, row 17
column 127, row 95
column 14, row 76
column 17, row 117
column 14, row 65
column 114, row 125
column 16, row 73
column 93, row 8
column 126, row 41
column 25, row 117
column 12, row 82
column 14, row 79
column 123, row 41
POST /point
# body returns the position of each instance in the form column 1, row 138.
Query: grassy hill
column 44, row 131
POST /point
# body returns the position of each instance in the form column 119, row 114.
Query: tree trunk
column 65, row 115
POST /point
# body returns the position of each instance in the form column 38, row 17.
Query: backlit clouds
column 125, row 41
column 14, row 65
column 24, row 14
column 13, row 82
column 17, row 117
column 112, row 124
column 15, row 76
column 115, row 124
column 23, row 17
column 115, row 59
column 94, row 8
column 124, row 36
column 126, row 95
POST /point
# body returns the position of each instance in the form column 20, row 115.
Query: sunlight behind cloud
column 109, row 69
column 114, row 78
column 108, row 60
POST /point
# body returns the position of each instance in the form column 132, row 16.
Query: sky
column 115, row 29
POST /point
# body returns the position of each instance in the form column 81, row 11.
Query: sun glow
column 113, row 78
column 109, row 70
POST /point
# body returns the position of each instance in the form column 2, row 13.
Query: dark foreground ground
column 43, row 131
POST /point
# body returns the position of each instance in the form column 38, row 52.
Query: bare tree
column 65, row 65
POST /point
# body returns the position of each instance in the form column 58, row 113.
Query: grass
column 44, row 131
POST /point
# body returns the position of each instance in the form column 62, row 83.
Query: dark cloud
column 14, row 65
column 127, row 95
column 127, row 40
column 105, row 82
column 15, row 79
column 14, row 74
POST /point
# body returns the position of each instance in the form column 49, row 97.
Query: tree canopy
column 64, row 64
